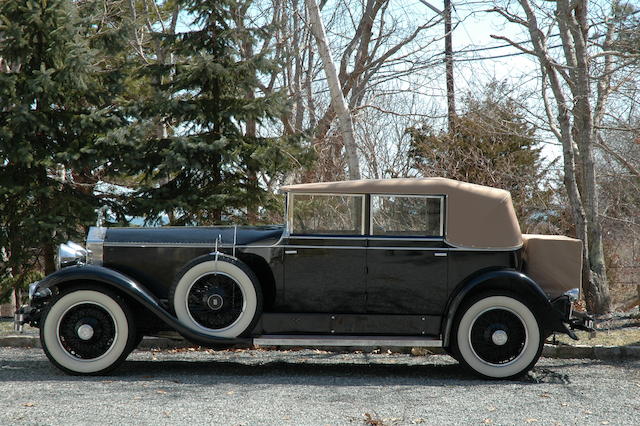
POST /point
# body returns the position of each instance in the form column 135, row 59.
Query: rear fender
column 133, row 289
column 508, row 281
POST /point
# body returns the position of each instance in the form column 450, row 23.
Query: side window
column 402, row 215
column 324, row 214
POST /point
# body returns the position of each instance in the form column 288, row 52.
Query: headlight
column 32, row 289
column 70, row 254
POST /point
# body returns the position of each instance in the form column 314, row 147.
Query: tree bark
column 576, row 131
column 585, row 138
column 337, row 98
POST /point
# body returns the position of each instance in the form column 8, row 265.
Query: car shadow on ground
column 211, row 372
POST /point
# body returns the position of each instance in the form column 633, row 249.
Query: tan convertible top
column 476, row 216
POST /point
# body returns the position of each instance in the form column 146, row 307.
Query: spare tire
column 217, row 295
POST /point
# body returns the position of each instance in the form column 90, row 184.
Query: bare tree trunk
column 576, row 19
column 17, row 297
column 48, row 254
column 337, row 98
column 574, row 128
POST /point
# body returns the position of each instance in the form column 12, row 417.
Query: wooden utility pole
column 448, row 59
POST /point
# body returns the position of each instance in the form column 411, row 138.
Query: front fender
column 132, row 289
column 510, row 281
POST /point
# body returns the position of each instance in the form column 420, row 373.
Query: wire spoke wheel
column 497, row 336
column 87, row 331
column 215, row 301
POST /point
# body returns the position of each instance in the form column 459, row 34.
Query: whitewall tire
column 218, row 297
column 498, row 337
column 87, row 332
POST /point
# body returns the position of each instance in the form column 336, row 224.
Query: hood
column 201, row 235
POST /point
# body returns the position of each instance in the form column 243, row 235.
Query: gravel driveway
column 312, row 387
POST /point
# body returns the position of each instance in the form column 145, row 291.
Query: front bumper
column 21, row 317
column 31, row 313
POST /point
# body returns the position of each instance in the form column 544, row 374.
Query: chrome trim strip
column 325, row 247
column 288, row 223
column 277, row 244
column 286, row 246
column 158, row 244
column 235, row 239
column 391, row 341
column 368, row 248
column 442, row 216
column 459, row 248
column 185, row 245
column 365, row 237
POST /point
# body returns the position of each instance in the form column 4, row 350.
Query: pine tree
column 57, row 108
column 207, row 166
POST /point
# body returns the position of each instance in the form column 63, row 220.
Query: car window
column 326, row 214
column 401, row 215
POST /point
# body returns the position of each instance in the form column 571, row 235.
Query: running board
column 383, row 341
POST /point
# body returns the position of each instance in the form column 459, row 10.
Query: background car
column 426, row 262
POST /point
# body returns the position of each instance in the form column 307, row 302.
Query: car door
column 406, row 255
column 325, row 254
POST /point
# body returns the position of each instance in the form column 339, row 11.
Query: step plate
column 385, row 341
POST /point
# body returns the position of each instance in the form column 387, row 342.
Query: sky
column 479, row 58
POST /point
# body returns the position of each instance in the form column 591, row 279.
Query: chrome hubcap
column 85, row 332
column 215, row 302
column 499, row 337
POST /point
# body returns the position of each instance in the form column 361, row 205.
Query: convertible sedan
column 428, row 262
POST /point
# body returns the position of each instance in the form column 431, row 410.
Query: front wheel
column 87, row 332
column 498, row 337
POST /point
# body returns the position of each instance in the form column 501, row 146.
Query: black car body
column 398, row 262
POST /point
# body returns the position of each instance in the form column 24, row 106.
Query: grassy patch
column 621, row 337
column 617, row 329
column 6, row 328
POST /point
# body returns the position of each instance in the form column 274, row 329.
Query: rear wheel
column 498, row 336
column 87, row 331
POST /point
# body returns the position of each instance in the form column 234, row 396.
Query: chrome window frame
column 289, row 207
column 442, row 207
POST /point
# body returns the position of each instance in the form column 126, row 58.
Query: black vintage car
column 401, row 262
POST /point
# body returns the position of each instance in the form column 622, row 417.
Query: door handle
column 291, row 252
column 440, row 254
